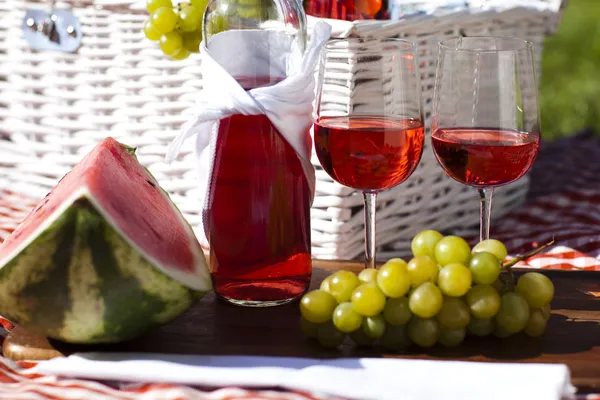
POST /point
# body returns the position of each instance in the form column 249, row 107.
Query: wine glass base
column 257, row 303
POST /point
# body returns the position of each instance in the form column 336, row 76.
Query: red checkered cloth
column 564, row 201
column 571, row 218
column 564, row 205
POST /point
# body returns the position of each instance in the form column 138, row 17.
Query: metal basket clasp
column 56, row 29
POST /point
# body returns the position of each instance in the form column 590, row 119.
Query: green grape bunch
column 177, row 28
column 446, row 293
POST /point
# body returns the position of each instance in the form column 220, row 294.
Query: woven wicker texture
column 56, row 106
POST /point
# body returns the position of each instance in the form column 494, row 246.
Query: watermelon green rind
column 31, row 268
column 96, row 289
column 104, row 256
column 129, row 149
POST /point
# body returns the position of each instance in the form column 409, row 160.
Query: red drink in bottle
column 258, row 214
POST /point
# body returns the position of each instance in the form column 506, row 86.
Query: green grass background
column 570, row 82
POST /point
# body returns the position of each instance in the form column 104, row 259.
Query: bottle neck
column 256, row 57
column 272, row 15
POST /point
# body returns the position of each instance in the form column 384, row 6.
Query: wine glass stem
column 370, row 207
column 485, row 196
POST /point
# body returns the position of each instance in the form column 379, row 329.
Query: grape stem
column 508, row 265
column 525, row 256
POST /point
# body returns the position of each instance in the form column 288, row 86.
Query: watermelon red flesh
column 150, row 224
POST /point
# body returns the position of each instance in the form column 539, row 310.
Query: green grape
column 451, row 337
column 536, row 288
column 328, row 336
column 218, row 23
column 317, row 306
column 182, row 54
column 423, row 244
column 499, row 285
column 452, row 250
column 397, row 311
column 485, row 268
column 423, row 332
column 537, row 323
column 150, row 32
column 361, row 339
column 373, row 327
column 346, row 319
column 368, row 275
column 171, row 43
column 395, row 338
column 164, row 20
column 514, row 313
column 500, row 332
column 483, row 301
column 454, row 314
column 190, row 19
column 546, row 312
column 368, row 300
column 393, row 278
column 496, row 247
column 481, row 326
column 325, row 285
column 191, row 41
column 426, row 300
column 153, row 5
column 422, row 269
column 308, row 328
column 455, row 280
column 250, row 11
column 342, row 285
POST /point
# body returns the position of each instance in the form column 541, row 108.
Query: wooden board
column 215, row 327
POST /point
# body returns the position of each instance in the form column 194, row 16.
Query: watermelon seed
column 43, row 203
column 63, row 177
column 151, row 184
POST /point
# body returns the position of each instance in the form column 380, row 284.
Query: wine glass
column 368, row 127
column 485, row 123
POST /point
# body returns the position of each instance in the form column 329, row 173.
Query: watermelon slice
column 104, row 256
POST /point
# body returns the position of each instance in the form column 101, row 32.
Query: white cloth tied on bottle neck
column 287, row 104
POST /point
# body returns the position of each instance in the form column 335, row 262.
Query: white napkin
column 288, row 104
column 352, row 378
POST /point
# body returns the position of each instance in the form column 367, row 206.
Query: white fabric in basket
column 288, row 104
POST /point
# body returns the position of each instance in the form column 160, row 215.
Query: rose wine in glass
column 378, row 145
column 485, row 122
column 369, row 153
column 485, row 157
column 348, row 10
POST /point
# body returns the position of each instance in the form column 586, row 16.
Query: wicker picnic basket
column 54, row 106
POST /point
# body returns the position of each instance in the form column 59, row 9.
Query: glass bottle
column 257, row 217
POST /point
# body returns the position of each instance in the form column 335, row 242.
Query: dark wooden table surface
column 215, row 327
